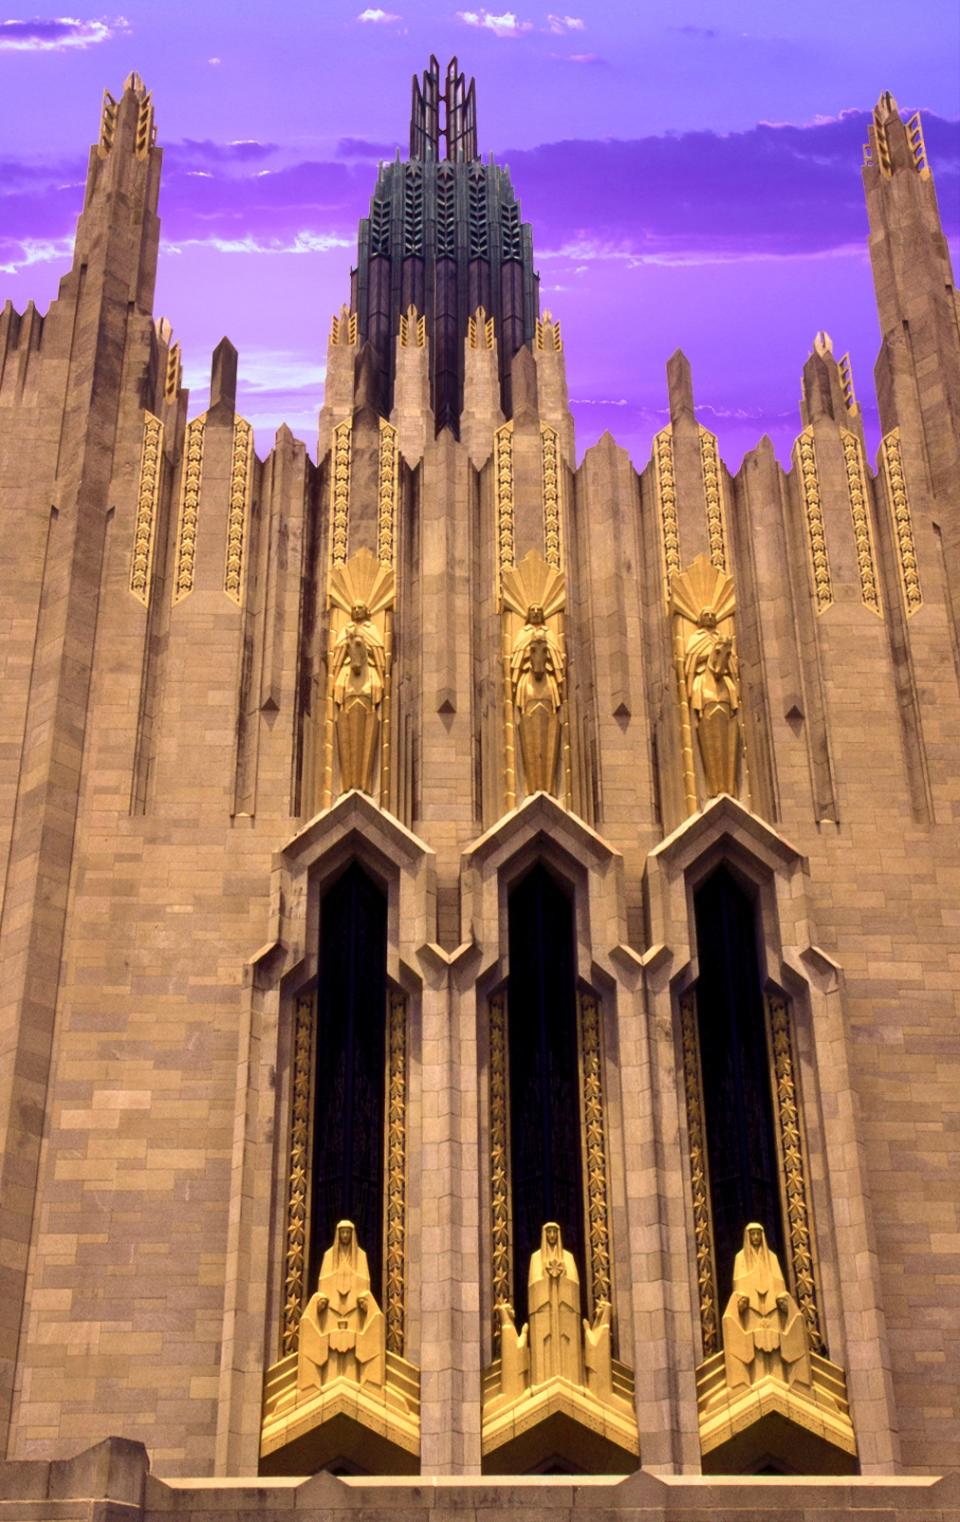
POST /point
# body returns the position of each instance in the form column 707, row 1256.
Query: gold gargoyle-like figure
column 703, row 597
column 342, row 1330
column 764, row 1332
column 360, row 592
column 535, row 592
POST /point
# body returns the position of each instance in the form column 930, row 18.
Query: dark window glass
column 546, row 1173
column 347, row 1178
column 738, row 1101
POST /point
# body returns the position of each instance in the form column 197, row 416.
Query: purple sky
column 691, row 171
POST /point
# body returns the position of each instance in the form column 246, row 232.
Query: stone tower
column 479, row 946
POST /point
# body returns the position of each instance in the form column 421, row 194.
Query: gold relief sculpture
column 344, row 326
column 108, row 124
column 146, row 133
column 813, row 512
column 558, row 1367
column 550, row 482
column 699, row 1183
column 187, row 524
column 396, row 1170
column 548, row 333
column 667, row 505
column 360, row 593
column 703, row 597
column 763, row 1329
column 342, row 1331
column 845, row 371
column 535, row 673
column 792, row 1159
column 297, row 1187
column 173, row 373
column 241, row 490
column 148, row 502
column 860, row 513
column 413, row 329
column 340, row 467
column 480, row 330
column 595, row 1148
column 902, row 522
column 710, row 469
column 917, row 146
column 503, row 485
column 388, row 472
column 499, row 1160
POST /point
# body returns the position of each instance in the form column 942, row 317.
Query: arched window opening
column 350, row 1064
column 735, row 1063
column 545, row 1128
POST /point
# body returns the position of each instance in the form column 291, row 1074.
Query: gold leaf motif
column 343, row 327
column 859, row 511
column 548, row 333
column 480, row 330
column 396, row 1219
column 297, row 1186
column 710, row 469
column 148, row 501
column 794, row 1171
column 241, row 488
column 667, row 505
column 340, row 491
column 413, row 329
column 700, row 1188
column 813, row 510
column 902, row 522
column 594, row 1131
column 550, row 480
column 499, row 1159
column 186, row 553
column 388, row 478
column 503, row 486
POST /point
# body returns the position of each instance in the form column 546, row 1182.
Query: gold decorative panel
column 173, row 373
column 548, row 333
column 667, row 506
column 917, row 145
column 503, row 487
column 813, row 513
column 480, row 330
column 294, row 1282
column 344, row 327
column 550, row 481
column 845, row 370
column 699, row 1177
column 902, row 522
column 188, row 521
column 146, row 133
column 396, row 1214
column 387, row 485
column 241, row 490
column 340, row 491
column 413, row 329
column 793, row 1164
column 499, row 1157
column 711, row 473
column 108, row 124
column 148, row 503
column 860, row 513
column 595, row 1149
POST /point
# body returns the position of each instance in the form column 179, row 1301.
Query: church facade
column 480, row 936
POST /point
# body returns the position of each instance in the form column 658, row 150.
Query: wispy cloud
column 360, row 148
column 560, row 25
column 20, row 254
column 53, row 34
column 261, row 372
column 507, row 25
column 304, row 242
column 244, row 150
column 373, row 13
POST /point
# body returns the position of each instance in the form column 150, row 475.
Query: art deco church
column 480, row 938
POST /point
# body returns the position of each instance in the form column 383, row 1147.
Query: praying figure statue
column 536, row 677
column 713, row 692
column 342, row 1331
column 359, row 669
column 553, row 1309
column 763, row 1328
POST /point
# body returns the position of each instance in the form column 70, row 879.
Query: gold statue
column 535, row 591
column 764, row 1332
column 342, row 1331
column 704, row 597
column 361, row 589
column 553, row 1306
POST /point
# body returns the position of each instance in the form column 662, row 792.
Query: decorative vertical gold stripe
column 549, row 335
column 108, row 124
column 845, row 371
column 396, row 1215
column 413, row 329
column 499, row 1157
column 503, row 487
column 480, row 333
column 793, row 1162
column 710, row 470
column 595, row 1149
column 699, row 1177
column 550, row 481
column 187, row 523
column 917, row 145
column 294, row 1283
column 813, row 512
column 340, row 491
column 667, row 506
column 388, row 478
column 173, row 373
column 860, row 513
column 343, row 327
column 241, row 491
column 146, row 133
column 148, row 503
column 902, row 522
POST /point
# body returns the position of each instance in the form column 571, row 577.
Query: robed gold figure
column 764, row 1332
column 553, row 1311
column 360, row 592
column 535, row 591
column 703, row 597
column 342, row 1330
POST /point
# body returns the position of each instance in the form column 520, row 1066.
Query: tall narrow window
column 734, row 1061
column 348, row 1143
column 545, row 1144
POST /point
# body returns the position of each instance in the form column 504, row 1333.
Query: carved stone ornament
column 557, row 1374
column 768, row 1394
column 534, row 593
column 702, row 601
column 360, row 592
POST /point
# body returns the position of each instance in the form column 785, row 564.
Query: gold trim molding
column 396, row 1203
column 340, row 469
column 699, row 1175
column 388, row 476
column 594, row 1149
column 813, row 513
column 902, row 522
column 238, row 517
column 503, row 487
column 300, row 1122
column 148, row 505
column 711, row 472
column 667, row 506
column 793, row 1166
column 499, row 1159
column 860, row 513
column 189, row 516
column 480, row 330
column 550, row 481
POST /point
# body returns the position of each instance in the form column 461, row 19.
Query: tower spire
column 458, row 126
